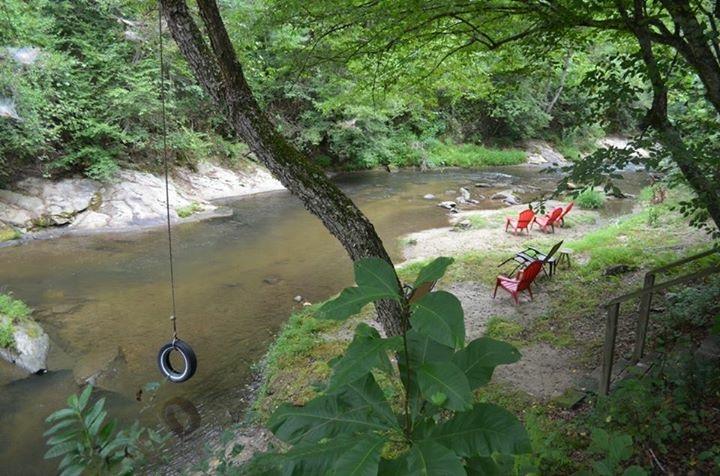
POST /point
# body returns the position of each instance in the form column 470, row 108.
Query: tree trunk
column 670, row 138
column 221, row 76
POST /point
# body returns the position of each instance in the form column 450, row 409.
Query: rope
column 167, row 173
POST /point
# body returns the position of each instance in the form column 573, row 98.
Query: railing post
column 644, row 317
column 609, row 348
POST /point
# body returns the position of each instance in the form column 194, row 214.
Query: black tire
column 188, row 356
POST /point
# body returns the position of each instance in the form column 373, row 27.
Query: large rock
column 101, row 372
column 31, row 346
column 541, row 153
column 507, row 196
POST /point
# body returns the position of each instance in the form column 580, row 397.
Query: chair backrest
column 525, row 218
column 553, row 250
column 567, row 209
column 421, row 291
column 555, row 215
column 529, row 274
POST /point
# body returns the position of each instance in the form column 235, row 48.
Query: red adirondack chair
column 521, row 283
column 523, row 222
column 565, row 212
column 548, row 221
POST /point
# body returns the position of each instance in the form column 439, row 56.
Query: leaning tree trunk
column 669, row 137
column 221, row 76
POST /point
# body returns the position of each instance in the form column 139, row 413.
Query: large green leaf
column 367, row 351
column 428, row 458
column 484, row 430
column 375, row 273
column 445, row 385
column 439, row 315
column 434, row 270
column 310, row 458
column 362, row 459
column 421, row 349
column 366, row 391
column 351, row 301
column 481, row 356
column 348, row 411
column 488, row 466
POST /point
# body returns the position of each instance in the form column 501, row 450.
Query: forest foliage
column 89, row 100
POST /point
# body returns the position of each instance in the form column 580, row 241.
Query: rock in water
column 429, row 196
column 449, row 205
column 31, row 346
column 507, row 197
column 298, row 298
column 465, row 193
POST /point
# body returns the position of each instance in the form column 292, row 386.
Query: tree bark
column 220, row 74
column 670, row 138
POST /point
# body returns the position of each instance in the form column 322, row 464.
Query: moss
column 505, row 330
column 8, row 233
column 186, row 211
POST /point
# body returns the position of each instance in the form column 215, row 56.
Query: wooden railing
column 645, row 294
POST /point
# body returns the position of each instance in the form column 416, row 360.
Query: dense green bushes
column 90, row 103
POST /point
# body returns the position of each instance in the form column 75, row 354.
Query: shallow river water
column 236, row 277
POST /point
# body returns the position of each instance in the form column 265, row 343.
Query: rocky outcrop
column 132, row 199
column 30, row 348
column 540, row 152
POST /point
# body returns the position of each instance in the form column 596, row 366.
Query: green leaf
column 362, row 459
column 351, row 301
column 479, row 359
column 433, row 271
column 84, row 398
column 74, row 470
column 62, row 437
column 428, row 458
column 439, row 315
column 484, row 430
column 635, row 471
column 59, row 426
column 421, row 349
column 487, row 466
column 446, row 378
column 367, row 351
column 366, row 391
column 326, row 417
column 375, row 273
column 60, row 414
column 60, row 449
column 94, row 413
column 315, row 458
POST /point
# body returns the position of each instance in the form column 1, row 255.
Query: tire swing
column 175, row 345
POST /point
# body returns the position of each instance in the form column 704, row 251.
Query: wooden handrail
column 646, row 293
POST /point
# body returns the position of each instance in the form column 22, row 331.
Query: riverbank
column 559, row 334
column 38, row 207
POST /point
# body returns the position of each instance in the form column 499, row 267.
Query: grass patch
column 188, row 210
column 472, row 155
column 590, row 199
column 502, row 329
column 12, row 311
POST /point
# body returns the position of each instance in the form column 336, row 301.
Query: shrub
column 472, row 155
column 352, row 427
column 90, row 445
column 7, row 331
column 186, row 211
column 590, row 199
column 15, row 309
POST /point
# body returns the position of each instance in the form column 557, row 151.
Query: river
column 236, row 279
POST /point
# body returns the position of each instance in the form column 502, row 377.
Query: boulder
column 465, row 193
column 429, row 196
column 541, row 153
column 30, row 350
column 448, row 205
column 506, row 196
column 102, row 376
column 464, row 225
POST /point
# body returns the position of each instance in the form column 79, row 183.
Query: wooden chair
column 548, row 221
column 520, row 283
column 565, row 212
column 523, row 222
column 530, row 254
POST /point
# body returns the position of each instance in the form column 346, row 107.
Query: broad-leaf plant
column 432, row 426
